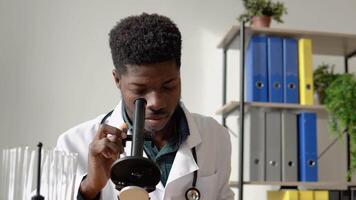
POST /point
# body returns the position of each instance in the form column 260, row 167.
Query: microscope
column 135, row 176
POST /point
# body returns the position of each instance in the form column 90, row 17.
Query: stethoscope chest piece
column 192, row 194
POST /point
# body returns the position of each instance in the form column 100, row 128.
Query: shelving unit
column 232, row 107
column 324, row 43
column 320, row 184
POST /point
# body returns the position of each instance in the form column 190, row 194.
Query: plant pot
column 261, row 21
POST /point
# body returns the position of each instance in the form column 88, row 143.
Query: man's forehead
column 154, row 68
column 149, row 74
column 155, row 64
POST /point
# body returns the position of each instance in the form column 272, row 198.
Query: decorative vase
column 261, row 21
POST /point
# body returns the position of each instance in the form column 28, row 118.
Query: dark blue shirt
column 165, row 156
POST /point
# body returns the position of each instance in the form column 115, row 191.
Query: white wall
column 55, row 64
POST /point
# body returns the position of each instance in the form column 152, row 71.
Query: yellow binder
column 274, row 195
column 282, row 195
column 306, row 88
column 290, row 195
column 321, row 195
column 306, row 195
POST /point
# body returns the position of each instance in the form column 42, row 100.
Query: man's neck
column 161, row 137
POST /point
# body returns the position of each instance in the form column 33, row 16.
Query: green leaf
column 340, row 101
column 263, row 8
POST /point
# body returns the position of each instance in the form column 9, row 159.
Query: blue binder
column 256, row 69
column 290, row 71
column 275, row 69
column 307, row 142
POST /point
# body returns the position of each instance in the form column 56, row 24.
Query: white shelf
column 324, row 43
column 233, row 106
column 320, row 184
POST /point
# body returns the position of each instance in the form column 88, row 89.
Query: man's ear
column 116, row 75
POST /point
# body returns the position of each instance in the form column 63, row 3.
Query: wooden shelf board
column 324, row 43
column 320, row 184
column 233, row 106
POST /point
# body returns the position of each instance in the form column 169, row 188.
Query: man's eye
column 139, row 91
column 169, row 87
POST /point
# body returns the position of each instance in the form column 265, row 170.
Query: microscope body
column 135, row 176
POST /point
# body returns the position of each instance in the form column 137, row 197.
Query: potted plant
column 323, row 76
column 260, row 12
column 340, row 102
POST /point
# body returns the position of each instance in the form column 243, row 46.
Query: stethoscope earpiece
column 192, row 194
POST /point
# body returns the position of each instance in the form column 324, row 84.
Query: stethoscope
column 192, row 193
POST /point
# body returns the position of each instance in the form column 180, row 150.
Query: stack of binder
column 279, row 70
column 281, row 146
column 311, row 195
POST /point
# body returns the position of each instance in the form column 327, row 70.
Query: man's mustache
column 155, row 113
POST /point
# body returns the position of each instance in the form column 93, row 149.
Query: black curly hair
column 145, row 39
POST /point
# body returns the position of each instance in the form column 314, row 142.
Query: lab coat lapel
column 184, row 162
column 116, row 119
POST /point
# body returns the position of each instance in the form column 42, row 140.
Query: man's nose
column 155, row 101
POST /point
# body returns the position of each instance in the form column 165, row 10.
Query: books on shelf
column 342, row 45
column 311, row 195
column 280, row 146
column 279, row 70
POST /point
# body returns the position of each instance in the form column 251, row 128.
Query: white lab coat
column 213, row 149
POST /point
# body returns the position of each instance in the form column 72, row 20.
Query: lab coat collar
column 194, row 138
column 116, row 118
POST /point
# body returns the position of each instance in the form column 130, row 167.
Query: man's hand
column 103, row 151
